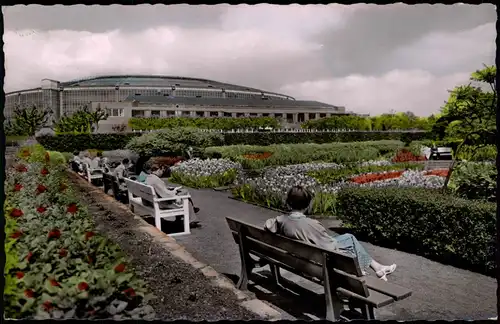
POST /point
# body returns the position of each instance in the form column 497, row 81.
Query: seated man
column 163, row 191
column 76, row 162
column 121, row 171
column 297, row 226
column 95, row 164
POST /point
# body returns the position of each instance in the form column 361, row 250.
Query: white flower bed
column 410, row 178
column 197, row 167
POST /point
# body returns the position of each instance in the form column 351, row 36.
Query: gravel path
column 440, row 292
column 182, row 292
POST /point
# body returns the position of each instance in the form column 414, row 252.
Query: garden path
column 440, row 292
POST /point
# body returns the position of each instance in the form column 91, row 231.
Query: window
column 278, row 115
column 227, row 114
column 137, row 113
column 253, row 115
column 265, row 115
column 200, row 114
column 289, row 118
column 170, row 113
column 155, row 113
column 214, row 114
column 322, row 115
column 301, row 117
column 115, row 112
column 186, row 113
column 240, row 114
column 312, row 116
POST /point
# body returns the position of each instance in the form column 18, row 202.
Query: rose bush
column 58, row 266
column 210, row 173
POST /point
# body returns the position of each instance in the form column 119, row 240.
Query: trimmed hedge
column 202, row 122
column 423, row 221
column 81, row 142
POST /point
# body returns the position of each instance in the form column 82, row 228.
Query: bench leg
column 246, row 264
column 276, row 273
column 334, row 305
column 367, row 312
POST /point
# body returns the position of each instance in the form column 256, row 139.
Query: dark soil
column 181, row 291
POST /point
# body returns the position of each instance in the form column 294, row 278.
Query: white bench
column 90, row 173
column 143, row 191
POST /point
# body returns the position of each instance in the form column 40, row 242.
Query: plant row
column 57, row 265
column 200, row 122
column 81, row 142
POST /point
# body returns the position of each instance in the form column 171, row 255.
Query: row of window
column 301, row 117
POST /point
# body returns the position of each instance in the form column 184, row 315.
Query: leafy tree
column 470, row 113
column 83, row 121
column 29, row 120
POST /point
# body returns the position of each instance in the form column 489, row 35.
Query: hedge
column 201, row 122
column 81, row 142
column 423, row 221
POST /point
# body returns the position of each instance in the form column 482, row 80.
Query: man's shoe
column 196, row 210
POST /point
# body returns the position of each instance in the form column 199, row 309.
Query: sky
column 369, row 58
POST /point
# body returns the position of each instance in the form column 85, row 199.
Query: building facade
column 163, row 96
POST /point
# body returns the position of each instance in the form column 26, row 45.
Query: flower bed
column 258, row 156
column 405, row 155
column 58, row 266
column 371, row 177
column 210, row 173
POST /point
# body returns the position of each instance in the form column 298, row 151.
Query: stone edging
column 170, row 244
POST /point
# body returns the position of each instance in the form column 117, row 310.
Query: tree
column 29, row 120
column 83, row 121
column 470, row 113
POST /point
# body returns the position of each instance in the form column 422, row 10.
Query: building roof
column 230, row 102
column 158, row 81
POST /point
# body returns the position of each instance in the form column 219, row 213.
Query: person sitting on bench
column 163, row 191
column 299, row 227
column 76, row 162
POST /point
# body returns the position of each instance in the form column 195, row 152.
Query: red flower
column 55, row 233
column 89, row 235
column 18, row 187
column 16, row 213
column 54, row 283
column 47, row 157
column 90, row 260
column 83, row 286
column 72, row 208
column 29, row 256
column 29, row 293
column 19, row 275
column 120, row 268
column 63, row 253
column 41, row 189
column 129, row 292
column 62, row 187
column 44, row 171
column 47, row 305
column 16, row 234
column 21, row 168
column 41, row 209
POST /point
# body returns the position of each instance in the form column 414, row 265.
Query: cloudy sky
column 368, row 58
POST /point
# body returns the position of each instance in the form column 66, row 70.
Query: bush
column 62, row 268
column 285, row 154
column 477, row 154
column 423, row 221
column 173, row 142
column 205, row 123
column 475, row 180
column 82, row 142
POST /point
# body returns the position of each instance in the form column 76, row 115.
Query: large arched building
column 128, row 96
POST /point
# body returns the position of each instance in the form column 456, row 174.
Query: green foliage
column 205, row 181
column 28, row 120
column 381, row 123
column 285, row 154
column 205, row 123
column 80, row 122
column 173, row 142
column 328, row 176
column 423, row 221
column 477, row 153
column 82, row 142
column 473, row 180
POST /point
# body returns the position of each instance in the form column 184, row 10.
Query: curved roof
column 231, row 102
column 159, row 81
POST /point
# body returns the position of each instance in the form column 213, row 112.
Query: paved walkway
column 440, row 292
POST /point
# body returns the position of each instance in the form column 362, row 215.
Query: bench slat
column 375, row 299
column 387, row 288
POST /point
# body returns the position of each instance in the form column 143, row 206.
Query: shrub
column 62, row 268
column 82, row 142
column 205, row 123
column 475, row 180
column 173, row 142
column 477, row 154
column 423, row 221
column 285, row 154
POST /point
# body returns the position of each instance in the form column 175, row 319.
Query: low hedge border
column 81, row 142
column 425, row 222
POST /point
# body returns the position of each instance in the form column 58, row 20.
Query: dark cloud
column 370, row 35
column 98, row 19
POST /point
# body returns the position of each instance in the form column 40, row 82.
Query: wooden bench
column 142, row 192
column 92, row 174
column 340, row 274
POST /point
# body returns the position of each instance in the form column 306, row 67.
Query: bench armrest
column 172, row 198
